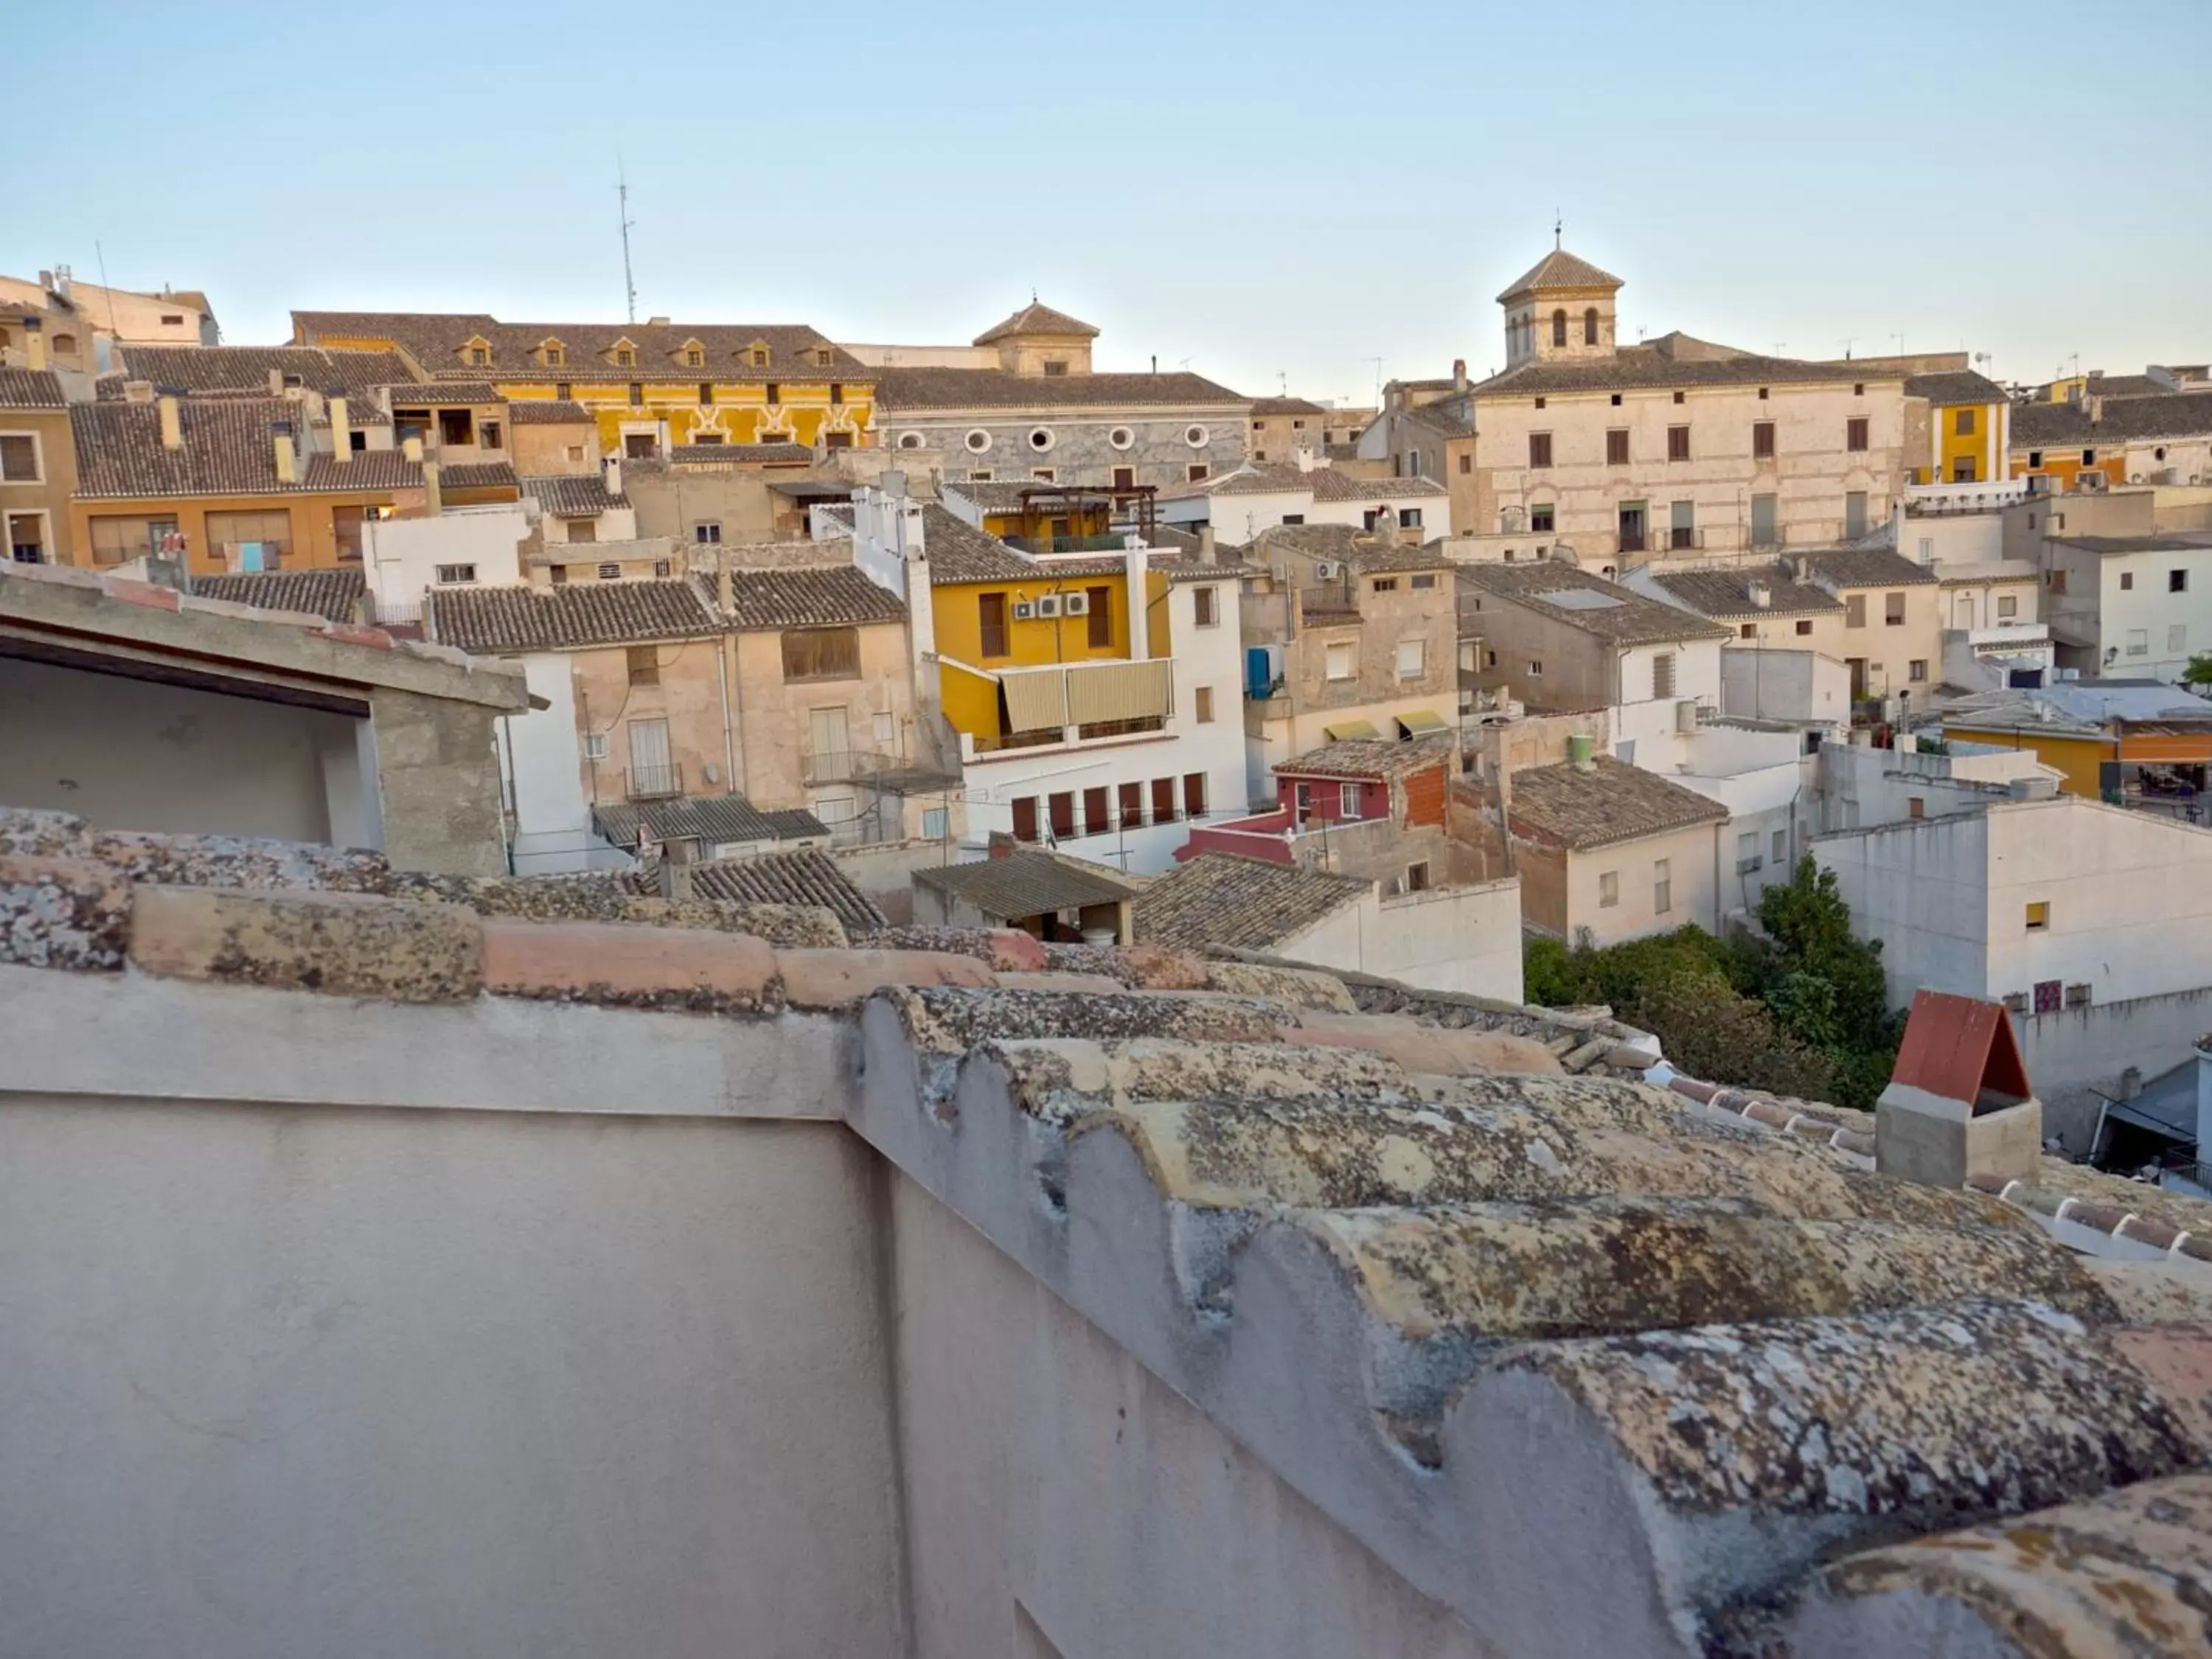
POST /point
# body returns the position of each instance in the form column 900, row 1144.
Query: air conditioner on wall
column 1023, row 610
column 1048, row 606
column 1326, row 570
column 1078, row 605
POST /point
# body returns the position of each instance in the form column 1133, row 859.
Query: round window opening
column 978, row 442
column 910, row 440
column 1040, row 438
column 1120, row 437
column 1195, row 436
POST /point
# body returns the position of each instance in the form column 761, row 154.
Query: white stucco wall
column 401, row 557
column 538, row 753
column 288, row 1380
column 1692, row 877
column 2172, row 625
column 1450, row 938
column 1785, row 685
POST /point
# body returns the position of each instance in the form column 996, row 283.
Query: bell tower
column 1562, row 310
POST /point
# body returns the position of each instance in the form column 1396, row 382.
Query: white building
column 1239, row 505
column 402, row 559
column 2134, row 605
column 1805, row 688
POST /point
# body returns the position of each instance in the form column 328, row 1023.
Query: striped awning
column 1418, row 720
column 1120, row 691
column 1036, row 702
column 1345, row 731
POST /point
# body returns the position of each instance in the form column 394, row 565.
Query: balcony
column 1685, row 538
column 1114, row 542
column 990, row 745
column 1634, row 541
column 652, row 782
column 819, row 766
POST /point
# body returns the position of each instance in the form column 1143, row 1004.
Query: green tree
column 1811, row 927
column 2199, row 671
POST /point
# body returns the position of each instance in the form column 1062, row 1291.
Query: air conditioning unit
column 1077, row 605
column 2016, row 1002
column 1048, row 605
column 1023, row 610
column 1326, row 570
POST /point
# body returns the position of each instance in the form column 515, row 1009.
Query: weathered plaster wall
column 438, row 784
column 1082, row 451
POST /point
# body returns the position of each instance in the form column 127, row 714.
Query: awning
column 1120, row 691
column 1036, row 702
column 1345, row 731
column 1418, row 720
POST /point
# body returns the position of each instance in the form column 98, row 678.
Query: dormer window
column 756, row 353
column 824, row 357
column 625, row 360
column 622, row 354
column 552, row 353
column 479, row 356
column 476, row 351
column 694, row 357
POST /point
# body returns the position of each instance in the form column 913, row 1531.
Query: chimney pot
column 412, row 448
column 1206, row 554
column 1000, row 845
column 1958, row 1103
column 433, row 500
column 287, row 470
column 137, row 391
column 341, row 429
column 173, row 426
column 35, row 342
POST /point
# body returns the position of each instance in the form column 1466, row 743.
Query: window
column 1762, row 394
column 1427, row 581
column 1915, row 806
column 450, row 573
column 1194, row 794
column 708, row 531
column 2038, row 916
column 2127, row 580
column 1855, row 611
column 488, row 434
column 934, row 823
column 1540, row 449
column 1962, row 469
column 1893, row 610
column 2138, row 642
column 979, row 475
column 1748, row 631
column 1385, row 585
column 581, row 530
column 1098, row 813
column 991, row 623
column 1917, row 669
column 1678, row 397
column 595, row 746
column 1559, row 326
column 822, row 653
column 609, row 573
column 1060, row 807
column 1616, row 400
column 1205, row 604
column 2177, row 638
column 1101, row 618
column 625, row 358
column 1855, row 432
column 554, row 356
column 1746, row 852
column 1963, row 423
column 1343, row 663
column 1130, row 797
column 1608, row 888
column 1859, row 389
column 1025, row 818
column 454, row 426
column 1662, row 674
column 661, row 567
column 1348, row 800
column 1681, row 524
column 1045, row 475
column 1535, row 668
column 1540, row 402
column 644, row 665
column 561, row 390
column 1762, row 440
column 694, row 358
column 167, row 321
column 1202, row 705
column 1678, row 443
column 1781, row 846
column 1409, row 518
column 1413, row 659
column 773, row 393
column 1765, row 521
column 705, row 392
column 1164, row 800
column 760, row 356
column 1125, row 478
column 1662, row 886
column 2058, row 582
column 1196, row 472
column 1854, row 513
column 1804, row 625
column 1616, row 446
column 1417, row 876
column 636, row 395
column 1540, row 517
column 1590, row 326
column 559, row 573
column 19, row 458
column 2177, row 582
column 25, row 540
column 1412, row 469
column 2008, row 605
column 271, row 530
column 836, row 394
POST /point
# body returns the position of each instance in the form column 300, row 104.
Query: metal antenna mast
column 622, row 195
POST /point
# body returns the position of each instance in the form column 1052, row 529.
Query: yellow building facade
column 997, row 624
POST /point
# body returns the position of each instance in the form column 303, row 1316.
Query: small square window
column 1608, row 888
column 1202, row 705
column 1915, row 806
column 1678, row 397
column 1417, row 876
column 2127, row 580
column 709, row 531
column 609, row 573
column 2177, row 582
column 1616, row 400
column 1804, row 625
column 1917, row 669
column 2038, row 916
column 595, row 746
column 644, row 661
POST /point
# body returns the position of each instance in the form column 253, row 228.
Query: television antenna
column 622, row 197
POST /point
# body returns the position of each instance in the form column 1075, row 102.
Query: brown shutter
column 1025, row 818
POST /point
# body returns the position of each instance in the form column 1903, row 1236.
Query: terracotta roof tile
column 31, row 388
column 1368, row 757
column 228, row 449
column 1553, row 589
column 1323, row 483
column 333, row 595
column 547, row 411
column 437, row 340
column 738, row 454
column 1559, row 269
column 708, row 818
column 572, row 495
column 1729, row 592
column 243, row 371
column 1867, row 567
column 993, row 388
column 1034, row 318
column 1958, row 386
column 574, row 616
column 958, row 552
column 1217, row 898
column 831, row 596
column 2176, row 415
column 1028, row 882
column 1564, row 806
column 1364, row 550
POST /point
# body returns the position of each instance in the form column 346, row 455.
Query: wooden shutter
column 1133, row 805
column 991, row 618
column 1025, row 818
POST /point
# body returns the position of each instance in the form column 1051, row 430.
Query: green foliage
column 1803, row 1010
column 2199, row 671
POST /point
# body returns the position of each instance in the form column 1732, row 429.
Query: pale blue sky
column 1263, row 189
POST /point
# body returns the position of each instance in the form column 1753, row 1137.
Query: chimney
column 1762, row 595
column 1581, row 751
column 288, row 467
column 612, row 468
column 411, row 447
column 676, row 868
column 172, row 430
column 1958, row 1106
column 137, row 391
column 35, row 341
column 1206, row 553
column 47, row 281
column 1000, row 845
column 276, row 382
column 2097, row 408
column 726, row 598
column 1459, row 373
column 341, row 428
column 433, row 500
column 1801, row 567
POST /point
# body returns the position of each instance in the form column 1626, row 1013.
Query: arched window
column 1590, row 326
column 65, row 344
column 1559, row 326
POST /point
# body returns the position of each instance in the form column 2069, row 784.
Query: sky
column 1289, row 197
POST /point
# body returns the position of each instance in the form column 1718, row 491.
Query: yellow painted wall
column 971, row 703
column 1979, row 446
column 2078, row 758
column 314, row 535
column 1059, row 639
column 2065, row 466
column 736, row 412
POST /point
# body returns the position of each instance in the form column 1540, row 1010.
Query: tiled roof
column 547, row 411
column 1867, row 567
column 436, row 340
column 1034, row 318
column 1364, row 550
column 804, row 875
column 332, row 594
column 958, row 552
column 1957, row 387
column 243, row 371
column 480, row 475
column 1028, row 882
column 1324, row 483
column 228, row 449
column 572, row 495
column 994, row 388
column 1559, row 269
column 1286, row 406
column 31, row 388
column 838, row 596
column 709, row 818
column 1647, row 368
column 1564, row 806
column 1367, row 758
column 573, row 616
column 1444, row 425
column 2176, row 415
column 748, row 454
column 1728, row 592
column 1005, row 495
column 1626, row 618
column 430, row 392
column 1217, row 898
